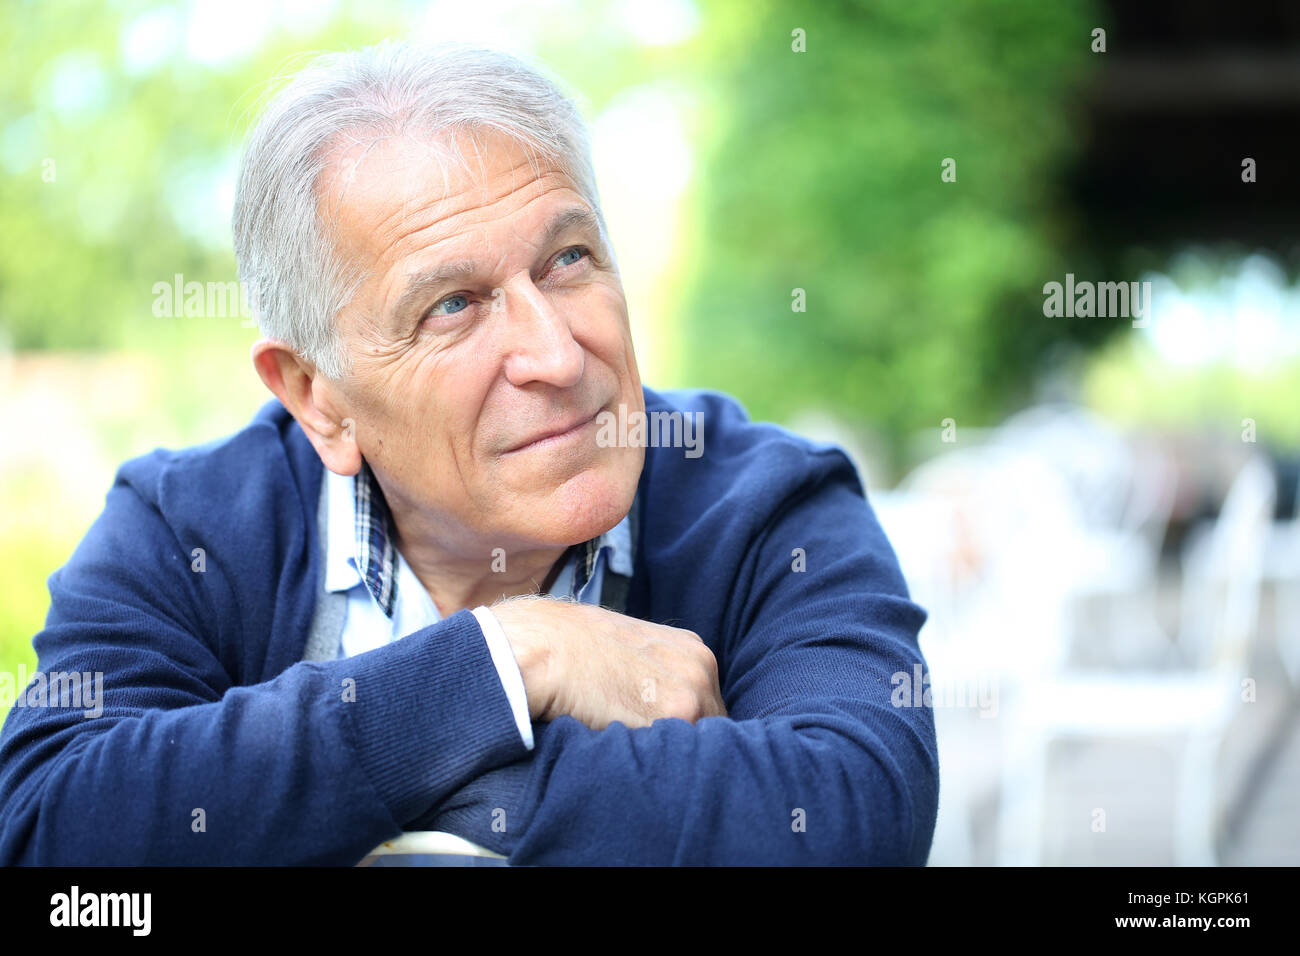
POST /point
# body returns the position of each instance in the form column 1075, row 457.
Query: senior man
column 429, row 587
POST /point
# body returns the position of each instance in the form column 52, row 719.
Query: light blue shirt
column 366, row 627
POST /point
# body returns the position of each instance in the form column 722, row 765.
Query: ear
column 294, row 380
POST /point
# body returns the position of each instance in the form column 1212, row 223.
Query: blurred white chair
column 1083, row 449
column 999, row 560
column 1115, row 569
column 977, row 531
column 1123, row 495
column 1221, row 586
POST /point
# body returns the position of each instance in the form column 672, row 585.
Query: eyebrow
column 424, row 283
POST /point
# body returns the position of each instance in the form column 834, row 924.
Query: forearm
column 318, row 765
column 850, row 783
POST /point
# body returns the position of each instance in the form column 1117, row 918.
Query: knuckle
column 683, row 636
column 704, row 681
column 682, row 703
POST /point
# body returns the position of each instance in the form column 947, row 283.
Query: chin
column 587, row 505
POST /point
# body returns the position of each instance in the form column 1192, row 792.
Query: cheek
column 436, row 414
column 432, row 461
column 605, row 333
column 387, row 401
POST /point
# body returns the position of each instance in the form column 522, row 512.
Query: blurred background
column 844, row 214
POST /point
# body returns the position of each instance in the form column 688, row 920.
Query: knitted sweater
column 219, row 744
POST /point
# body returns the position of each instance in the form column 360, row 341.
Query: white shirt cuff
column 508, row 670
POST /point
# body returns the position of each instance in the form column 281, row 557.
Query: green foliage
column 924, row 297
column 114, row 167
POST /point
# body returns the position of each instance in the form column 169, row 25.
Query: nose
column 540, row 345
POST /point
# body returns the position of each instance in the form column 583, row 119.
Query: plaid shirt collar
column 377, row 556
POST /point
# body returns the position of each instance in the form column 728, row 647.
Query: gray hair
column 286, row 249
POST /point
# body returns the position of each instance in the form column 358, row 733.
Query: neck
column 456, row 583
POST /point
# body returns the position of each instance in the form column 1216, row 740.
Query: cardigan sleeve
column 319, row 764
column 814, row 763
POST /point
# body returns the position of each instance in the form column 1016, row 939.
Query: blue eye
column 451, row 304
column 577, row 252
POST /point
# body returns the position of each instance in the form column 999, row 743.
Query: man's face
column 492, row 316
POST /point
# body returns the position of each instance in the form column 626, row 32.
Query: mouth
column 561, row 435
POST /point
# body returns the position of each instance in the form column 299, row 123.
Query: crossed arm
column 318, row 764
column 810, row 764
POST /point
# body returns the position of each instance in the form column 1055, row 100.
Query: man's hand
column 599, row 666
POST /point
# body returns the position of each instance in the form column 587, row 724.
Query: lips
column 559, row 432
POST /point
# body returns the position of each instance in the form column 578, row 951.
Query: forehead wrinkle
column 446, row 151
column 407, row 221
column 458, row 229
column 347, row 172
column 468, row 198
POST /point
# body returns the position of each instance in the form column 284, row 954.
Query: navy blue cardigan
column 218, row 744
